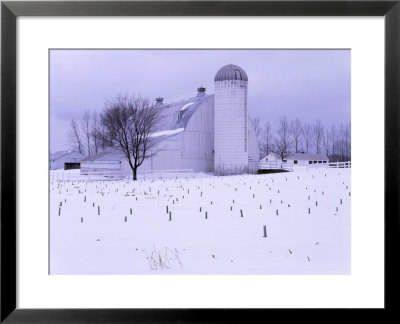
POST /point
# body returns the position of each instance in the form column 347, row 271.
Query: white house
column 204, row 133
column 65, row 160
column 297, row 159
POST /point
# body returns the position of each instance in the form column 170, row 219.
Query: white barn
column 65, row 160
column 299, row 159
column 205, row 133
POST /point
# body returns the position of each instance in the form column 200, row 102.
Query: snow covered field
column 201, row 224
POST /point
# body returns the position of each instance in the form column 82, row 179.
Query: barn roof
column 109, row 154
column 183, row 109
column 60, row 154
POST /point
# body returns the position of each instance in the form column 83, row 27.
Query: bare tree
column 74, row 137
column 333, row 141
column 347, row 141
column 99, row 136
column 95, row 133
column 327, row 143
column 341, row 142
column 307, row 135
column 258, row 130
column 256, row 124
column 283, row 141
column 296, row 131
column 266, row 146
column 130, row 124
column 318, row 135
column 87, row 130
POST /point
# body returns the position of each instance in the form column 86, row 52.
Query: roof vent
column 201, row 91
column 159, row 101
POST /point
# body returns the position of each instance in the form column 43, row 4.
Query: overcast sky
column 309, row 84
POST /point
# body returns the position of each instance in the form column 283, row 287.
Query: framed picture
column 157, row 173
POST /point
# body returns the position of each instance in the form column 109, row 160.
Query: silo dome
column 231, row 72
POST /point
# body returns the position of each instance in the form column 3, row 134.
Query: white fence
column 103, row 175
column 276, row 166
column 114, row 175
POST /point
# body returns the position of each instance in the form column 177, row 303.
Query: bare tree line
column 84, row 135
column 297, row 137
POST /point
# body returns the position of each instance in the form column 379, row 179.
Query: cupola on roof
column 231, row 72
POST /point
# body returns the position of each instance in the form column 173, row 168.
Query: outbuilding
column 296, row 159
column 66, row 160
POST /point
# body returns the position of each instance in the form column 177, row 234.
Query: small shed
column 65, row 160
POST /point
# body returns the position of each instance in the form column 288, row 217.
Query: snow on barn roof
column 60, row 154
column 186, row 106
column 167, row 132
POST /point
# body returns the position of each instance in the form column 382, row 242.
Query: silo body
column 230, row 120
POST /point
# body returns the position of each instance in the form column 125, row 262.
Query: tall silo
column 230, row 120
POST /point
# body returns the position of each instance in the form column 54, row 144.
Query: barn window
column 323, row 161
column 309, row 162
column 319, row 161
column 284, row 160
column 183, row 110
column 180, row 114
column 315, row 162
column 295, row 161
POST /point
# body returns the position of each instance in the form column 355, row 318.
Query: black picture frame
column 10, row 10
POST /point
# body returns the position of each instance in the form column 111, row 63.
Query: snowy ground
column 123, row 227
